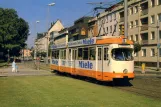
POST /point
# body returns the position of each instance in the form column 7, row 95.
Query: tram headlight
column 125, row 71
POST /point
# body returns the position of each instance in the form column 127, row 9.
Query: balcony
column 122, row 19
column 144, row 12
column 144, row 27
column 144, row 42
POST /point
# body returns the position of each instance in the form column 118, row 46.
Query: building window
column 114, row 28
column 144, row 52
column 136, row 38
column 135, row 54
column 131, row 24
column 130, row 11
column 159, row 17
column 106, row 19
column 136, row 9
column 159, row 2
column 131, row 37
column 103, row 21
column 152, row 52
column 107, row 30
column 160, row 52
column 114, row 16
column 152, row 3
column 110, row 17
column 136, row 23
column 152, row 35
column 152, row 19
column 110, row 29
column 160, row 34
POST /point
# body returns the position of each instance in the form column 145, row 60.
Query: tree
column 13, row 32
column 137, row 47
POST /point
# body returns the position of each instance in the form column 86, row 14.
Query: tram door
column 99, row 74
column 74, row 56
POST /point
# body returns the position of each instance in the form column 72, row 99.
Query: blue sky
column 32, row 10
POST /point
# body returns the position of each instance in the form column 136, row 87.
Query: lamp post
column 158, row 46
column 126, row 18
column 51, row 4
column 35, row 40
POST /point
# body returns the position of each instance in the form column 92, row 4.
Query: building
column 79, row 30
column 143, row 16
column 54, row 31
column 92, row 27
column 26, row 54
column 62, row 37
column 40, row 42
column 44, row 39
column 108, row 22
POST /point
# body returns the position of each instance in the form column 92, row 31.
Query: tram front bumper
column 111, row 76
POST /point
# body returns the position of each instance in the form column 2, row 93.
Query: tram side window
column 105, row 53
column 64, row 54
column 85, row 54
column 69, row 54
column 92, row 53
column 99, row 54
column 61, row 54
column 54, row 54
column 80, row 55
column 57, row 54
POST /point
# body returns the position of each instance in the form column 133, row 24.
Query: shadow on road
column 114, row 83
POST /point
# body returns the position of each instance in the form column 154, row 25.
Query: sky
column 37, row 10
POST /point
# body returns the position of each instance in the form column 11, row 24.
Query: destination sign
column 88, row 41
column 63, row 45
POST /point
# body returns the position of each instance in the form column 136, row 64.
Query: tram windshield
column 122, row 54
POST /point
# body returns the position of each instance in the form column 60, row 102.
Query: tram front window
column 122, row 54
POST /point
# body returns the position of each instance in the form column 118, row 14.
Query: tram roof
column 94, row 41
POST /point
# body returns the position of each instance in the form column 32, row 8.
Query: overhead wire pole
column 158, row 45
column 47, row 46
column 125, row 18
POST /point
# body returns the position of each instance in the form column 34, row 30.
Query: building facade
column 79, row 30
column 92, row 27
column 143, row 16
column 62, row 37
column 108, row 22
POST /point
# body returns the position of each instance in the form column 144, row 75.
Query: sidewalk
column 149, row 71
column 25, row 70
column 22, row 71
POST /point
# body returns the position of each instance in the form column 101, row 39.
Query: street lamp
column 51, row 4
column 35, row 39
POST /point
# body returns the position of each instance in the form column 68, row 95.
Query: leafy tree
column 13, row 32
column 137, row 47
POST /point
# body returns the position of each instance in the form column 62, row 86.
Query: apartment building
column 108, row 22
column 62, row 36
column 143, row 16
column 54, row 31
column 44, row 39
column 92, row 27
column 79, row 30
column 40, row 42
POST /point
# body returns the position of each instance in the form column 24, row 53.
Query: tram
column 102, row 58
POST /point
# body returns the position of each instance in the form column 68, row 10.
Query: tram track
column 144, row 92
